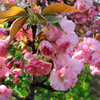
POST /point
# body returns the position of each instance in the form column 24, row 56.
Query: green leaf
column 52, row 19
column 57, row 26
column 28, row 26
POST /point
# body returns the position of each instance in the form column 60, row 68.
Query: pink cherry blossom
column 17, row 72
column 94, row 70
column 4, row 32
column 37, row 67
column 85, row 49
column 83, row 4
column 46, row 49
column 29, row 56
column 67, row 43
column 3, row 48
column 23, row 31
column 15, row 80
column 67, row 25
column 19, row 64
column 75, row 65
column 5, row 93
column 3, row 67
column 53, row 33
column 62, row 80
column 60, row 61
column 66, row 77
column 24, row 52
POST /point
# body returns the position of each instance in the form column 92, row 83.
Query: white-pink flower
column 67, row 43
column 5, row 93
column 4, row 32
column 94, row 70
column 66, row 77
column 29, row 56
column 17, row 72
column 46, row 49
column 15, row 80
column 37, row 67
column 60, row 60
column 62, row 79
column 3, row 48
column 3, row 67
column 19, row 64
column 83, row 4
column 53, row 33
column 86, row 48
column 68, row 26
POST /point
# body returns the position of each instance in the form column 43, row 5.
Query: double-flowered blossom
column 46, row 49
column 53, row 33
column 5, row 93
column 68, row 26
column 86, row 48
column 3, row 48
column 17, row 72
column 88, row 51
column 83, row 4
column 37, row 67
column 4, row 32
column 3, row 67
column 19, row 64
column 67, row 43
column 66, row 77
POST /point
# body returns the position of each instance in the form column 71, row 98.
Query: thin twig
column 17, row 97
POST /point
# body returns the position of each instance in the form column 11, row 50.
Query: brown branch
column 17, row 97
column 49, row 87
column 34, row 27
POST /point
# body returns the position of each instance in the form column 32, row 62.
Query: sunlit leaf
column 32, row 5
column 10, row 4
column 98, row 38
column 17, row 24
column 59, row 7
column 12, row 14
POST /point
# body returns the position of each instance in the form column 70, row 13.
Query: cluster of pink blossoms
column 6, row 68
column 5, row 93
column 58, row 48
column 65, row 55
column 88, row 51
column 87, row 19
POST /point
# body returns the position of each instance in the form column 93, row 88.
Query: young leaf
column 52, row 19
column 32, row 5
column 17, row 24
column 59, row 7
column 10, row 5
column 57, row 26
column 12, row 14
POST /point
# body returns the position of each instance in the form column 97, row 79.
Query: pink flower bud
column 15, row 80
column 19, row 64
column 37, row 67
column 46, row 49
column 17, row 72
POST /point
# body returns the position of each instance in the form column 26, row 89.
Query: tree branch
column 17, row 97
column 33, row 27
column 48, row 87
